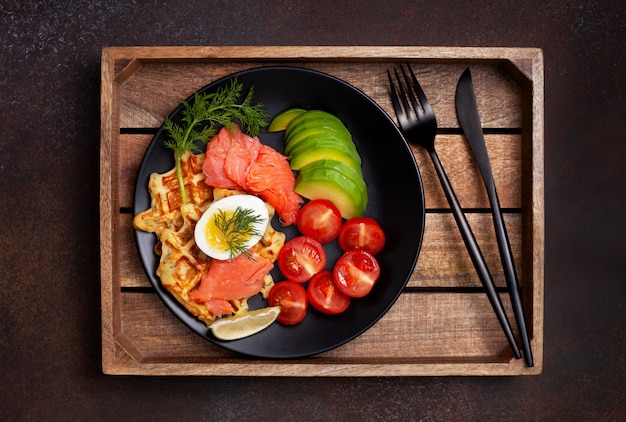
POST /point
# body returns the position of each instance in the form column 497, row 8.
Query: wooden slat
column 436, row 327
column 134, row 147
column 442, row 325
column 444, row 260
column 146, row 100
column 131, row 271
column 462, row 171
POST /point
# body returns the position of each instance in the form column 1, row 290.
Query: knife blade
column 469, row 118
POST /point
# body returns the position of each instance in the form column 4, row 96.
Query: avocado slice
column 307, row 129
column 282, row 120
column 311, row 146
column 329, row 138
column 298, row 161
column 335, row 181
column 315, row 117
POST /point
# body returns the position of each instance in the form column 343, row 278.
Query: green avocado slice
column 321, row 152
column 316, row 128
column 313, row 117
column 282, row 120
column 335, row 181
column 323, row 136
column 323, row 140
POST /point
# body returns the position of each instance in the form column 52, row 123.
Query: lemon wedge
column 244, row 325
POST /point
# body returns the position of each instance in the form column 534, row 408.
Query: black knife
column 467, row 112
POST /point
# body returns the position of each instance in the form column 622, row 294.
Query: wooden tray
column 442, row 324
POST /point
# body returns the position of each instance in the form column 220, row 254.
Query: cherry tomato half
column 356, row 272
column 301, row 258
column 319, row 219
column 362, row 233
column 292, row 299
column 325, row 296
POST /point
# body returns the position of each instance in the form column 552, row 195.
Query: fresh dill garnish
column 237, row 229
column 199, row 120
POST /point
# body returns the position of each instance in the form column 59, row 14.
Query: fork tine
column 394, row 98
column 411, row 95
column 408, row 112
column 420, row 92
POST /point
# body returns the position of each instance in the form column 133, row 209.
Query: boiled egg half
column 231, row 226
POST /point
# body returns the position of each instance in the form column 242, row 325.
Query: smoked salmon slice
column 234, row 160
column 219, row 307
column 277, row 189
column 240, row 157
column 213, row 166
column 225, row 281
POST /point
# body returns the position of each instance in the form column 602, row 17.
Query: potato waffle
column 164, row 212
column 182, row 264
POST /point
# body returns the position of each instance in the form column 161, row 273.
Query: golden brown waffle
column 182, row 264
column 164, row 211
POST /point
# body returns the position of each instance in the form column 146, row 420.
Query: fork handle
column 475, row 254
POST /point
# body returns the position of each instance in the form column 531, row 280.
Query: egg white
column 230, row 204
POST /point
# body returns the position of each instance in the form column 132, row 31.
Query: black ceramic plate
column 396, row 201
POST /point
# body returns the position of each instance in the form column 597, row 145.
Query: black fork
column 419, row 125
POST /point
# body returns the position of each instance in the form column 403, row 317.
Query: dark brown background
column 49, row 143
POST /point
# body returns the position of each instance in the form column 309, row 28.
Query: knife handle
column 508, row 265
column 475, row 254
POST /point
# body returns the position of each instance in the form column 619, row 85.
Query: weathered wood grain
column 441, row 325
column 441, row 328
column 155, row 89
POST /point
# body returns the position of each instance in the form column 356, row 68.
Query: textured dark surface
column 49, row 258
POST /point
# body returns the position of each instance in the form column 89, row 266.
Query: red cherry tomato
column 301, row 258
column 325, row 296
column 362, row 233
column 356, row 272
column 292, row 299
column 319, row 219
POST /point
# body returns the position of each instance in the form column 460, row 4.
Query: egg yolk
column 215, row 236
column 220, row 240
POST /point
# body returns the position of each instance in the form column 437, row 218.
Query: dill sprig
column 237, row 229
column 200, row 119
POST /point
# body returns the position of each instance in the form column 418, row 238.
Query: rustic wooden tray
column 442, row 324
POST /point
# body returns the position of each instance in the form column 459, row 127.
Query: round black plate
column 396, row 201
